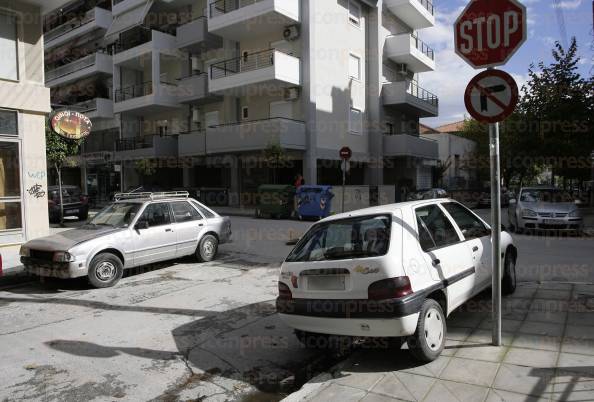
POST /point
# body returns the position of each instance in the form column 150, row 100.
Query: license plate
column 73, row 211
column 554, row 222
column 330, row 282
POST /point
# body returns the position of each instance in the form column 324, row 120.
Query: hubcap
column 433, row 329
column 208, row 248
column 105, row 271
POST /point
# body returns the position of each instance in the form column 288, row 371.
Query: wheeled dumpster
column 275, row 201
column 314, row 201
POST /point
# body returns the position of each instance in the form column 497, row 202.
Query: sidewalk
column 548, row 356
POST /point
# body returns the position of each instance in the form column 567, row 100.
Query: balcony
column 416, row 14
column 142, row 42
column 410, row 50
column 147, row 97
column 194, row 90
column 146, row 147
column 256, row 135
column 257, row 73
column 410, row 145
column 94, row 19
column 192, row 143
column 241, row 19
column 408, row 96
column 96, row 109
column 96, row 63
column 194, row 37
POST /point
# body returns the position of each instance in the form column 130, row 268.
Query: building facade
column 24, row 105
column 236, row 93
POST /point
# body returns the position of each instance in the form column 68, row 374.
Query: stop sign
column 488, row 32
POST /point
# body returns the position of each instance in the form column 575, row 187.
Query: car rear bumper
column 63, row 270
column 363, row 327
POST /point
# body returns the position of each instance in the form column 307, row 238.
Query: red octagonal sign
column 488, row 32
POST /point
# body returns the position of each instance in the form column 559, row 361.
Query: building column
column 234, row 184
column 375, row 170
column 308, row 97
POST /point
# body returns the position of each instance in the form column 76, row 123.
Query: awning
column 128, row 19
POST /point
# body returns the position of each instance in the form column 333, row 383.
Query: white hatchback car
column 390, row 271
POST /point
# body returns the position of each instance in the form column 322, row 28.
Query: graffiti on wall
column 36, row 191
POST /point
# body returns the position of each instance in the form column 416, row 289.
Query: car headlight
column 575, row 214
column 528, row 212
column 63, row 256
column 25, row 252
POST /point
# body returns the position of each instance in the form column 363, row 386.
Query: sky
column 452, row 74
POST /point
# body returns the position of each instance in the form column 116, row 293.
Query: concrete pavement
column 548, row 355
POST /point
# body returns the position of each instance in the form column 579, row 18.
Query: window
column 245, row 113
column 435, row 229
column 117, row 215
column 8, row 47
column 204, row 211
column 390, row 128
column 354, row 13
column 356, row 121
column 157, row 215
column 10, row 187
column 8, row 122
column 354, row 67
column 183, row 212
column 470, row 226
column 361, row 237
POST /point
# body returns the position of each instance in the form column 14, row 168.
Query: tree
column 275, row 157
column 58, row 150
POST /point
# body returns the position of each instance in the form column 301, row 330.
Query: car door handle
column 200, row 225
column 169, row 230
column 436, row 262
column 475, row 249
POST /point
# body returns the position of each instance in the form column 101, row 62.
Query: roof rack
column 151, row 196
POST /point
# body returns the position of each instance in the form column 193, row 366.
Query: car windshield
column 116, row 215
column 366, row 236
column 532, row 195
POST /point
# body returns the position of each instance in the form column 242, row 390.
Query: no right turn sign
column 491, row 96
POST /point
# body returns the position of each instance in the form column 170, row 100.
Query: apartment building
column 24, row 105
column 197, row 93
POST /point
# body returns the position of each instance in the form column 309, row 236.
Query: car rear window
column 359, row 237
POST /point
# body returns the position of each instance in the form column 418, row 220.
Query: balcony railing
column 140, row 36
column 131, row 144
column 428, row 5
column 133, row 91
column 422, row 47
column 74, row 66
column 221, row 7
column 86, row 106
column 415, row 90
column 69, row 26
column 248, row 62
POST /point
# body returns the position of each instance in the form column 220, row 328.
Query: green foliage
column 275, row 156
column 145, row 167
column 58, row 148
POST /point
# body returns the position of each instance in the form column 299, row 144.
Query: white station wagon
column 391, row 271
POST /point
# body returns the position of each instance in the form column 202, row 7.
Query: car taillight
column 391, row 288
column 284, row 293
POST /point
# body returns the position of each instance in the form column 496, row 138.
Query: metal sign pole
column 495, row 231
column 344, row 162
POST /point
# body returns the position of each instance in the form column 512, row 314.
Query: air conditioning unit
column 291, row 94
column 402, row 69
column 291, row 33
column 196, row 64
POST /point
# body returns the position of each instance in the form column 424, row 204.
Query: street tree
column 58, row 152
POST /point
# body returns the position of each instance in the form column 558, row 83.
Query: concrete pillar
column 234, row 184
column 375, row 170
column 186, row 177
column 308, row 97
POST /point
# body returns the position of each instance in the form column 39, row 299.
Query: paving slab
column 470, row 371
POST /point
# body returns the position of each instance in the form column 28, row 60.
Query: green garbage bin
column 275, row 201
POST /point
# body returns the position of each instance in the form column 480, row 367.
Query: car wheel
column 105, row 270
column 429, row 339
column 324, row 342
column 207, row 249
column 508, row 282
column 84, row 216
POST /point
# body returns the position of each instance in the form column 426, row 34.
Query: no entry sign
column 491, row 96
column 345, row 153
column 488, row 32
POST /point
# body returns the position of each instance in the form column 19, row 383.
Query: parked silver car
column 136, row 229
column 544, row 208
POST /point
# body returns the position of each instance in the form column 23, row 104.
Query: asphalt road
column 182, row 330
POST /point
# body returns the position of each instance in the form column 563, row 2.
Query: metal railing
column 221, row 7
column 70, row 68
column 133, row 91
column 247, row 62
column 422, row 47
column 239, row 123
column 86, row 106
column 131, row 144
column 140, row 36
column 191, row 75
column 428, row 5
column 415, row 90
column 69, row 26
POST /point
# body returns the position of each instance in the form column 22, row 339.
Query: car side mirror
column 141, row 225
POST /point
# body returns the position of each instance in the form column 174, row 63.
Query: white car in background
column 544, row 208
column 391, row 271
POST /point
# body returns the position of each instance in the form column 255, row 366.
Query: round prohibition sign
column 491, row 96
